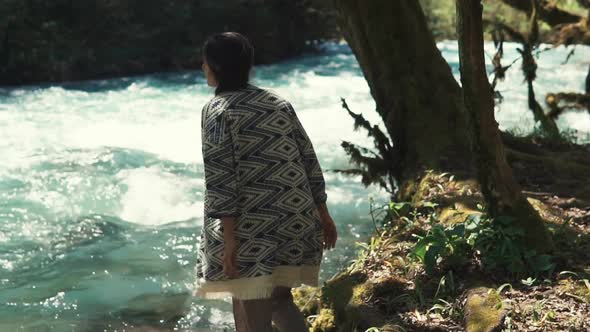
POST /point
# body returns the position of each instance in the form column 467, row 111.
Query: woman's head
column 227, row 60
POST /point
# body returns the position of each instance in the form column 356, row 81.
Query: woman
column 266, row 220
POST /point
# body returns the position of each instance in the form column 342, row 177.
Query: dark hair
column 230, row 56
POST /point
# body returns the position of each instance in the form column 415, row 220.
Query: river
column 101, row 184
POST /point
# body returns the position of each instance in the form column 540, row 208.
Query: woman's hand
column 328, row 226
column 230, row 248
column 330, row 233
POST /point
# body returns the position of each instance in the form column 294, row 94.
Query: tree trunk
column 502, row 192
column 414, row 89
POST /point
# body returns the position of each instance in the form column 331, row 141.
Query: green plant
column 446, row 285
column 374, row 213
column 418, row 292
column 508, row 327
column 528, row 281
column 496, row 243
column 442, row 244
column 400, row 215
column 499, row 245
column 537, row 311
column 501, row 288
column 369, row 253
column 447, row 309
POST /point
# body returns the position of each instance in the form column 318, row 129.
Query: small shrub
column 496, row 243
column 442, row 244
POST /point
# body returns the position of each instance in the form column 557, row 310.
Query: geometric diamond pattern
column 261, row 168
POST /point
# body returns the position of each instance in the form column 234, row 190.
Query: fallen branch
column 566, row 101
column 548, row 12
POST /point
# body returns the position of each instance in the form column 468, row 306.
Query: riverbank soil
column 387, row 289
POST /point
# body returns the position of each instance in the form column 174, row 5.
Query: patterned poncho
column 260, row 167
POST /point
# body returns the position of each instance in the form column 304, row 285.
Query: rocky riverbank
column 394, row 286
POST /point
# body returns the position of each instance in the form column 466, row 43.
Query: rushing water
column 101, row 185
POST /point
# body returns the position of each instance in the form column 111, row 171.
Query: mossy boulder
column 457, row 213
column 350, row 301
column 307, row 299
column 579, row 289
column 440, row 187
column 327, row 305
column 338, row 291
column 391, row 328
column 545, row 211
column 325, row 321
column 483, row 310
column 370, row 302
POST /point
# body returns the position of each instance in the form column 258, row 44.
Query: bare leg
column 285, row 313
column 253, row 315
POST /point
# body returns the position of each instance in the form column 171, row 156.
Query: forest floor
column 388, row 288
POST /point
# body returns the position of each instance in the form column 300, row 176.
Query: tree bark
column 412, row 85
column 503, row 194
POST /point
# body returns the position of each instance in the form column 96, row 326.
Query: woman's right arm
column 328, row 226
column 315, row 178
column 310, row 160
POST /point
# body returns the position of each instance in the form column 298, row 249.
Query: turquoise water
column 101, row 186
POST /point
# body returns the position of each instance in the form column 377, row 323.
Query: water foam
column 155, row 197
column 79, row 154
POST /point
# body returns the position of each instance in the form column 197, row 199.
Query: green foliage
column 401, row 216
column 441, row 18
column 368, row 252
column 446, row 309
column 440, row 15
column 442, row 244
column 497, row 244
column 69, row 40
column 528, row 281
column 446, row 285
column 403, row 212
column 501, row 246
column 567, row 135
